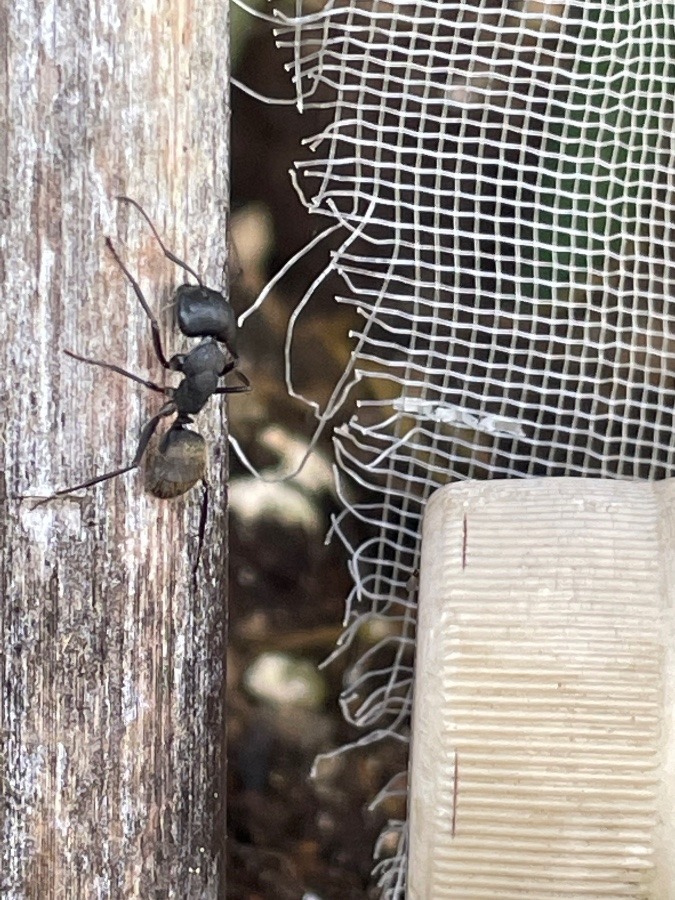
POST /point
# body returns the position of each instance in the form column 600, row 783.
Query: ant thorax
column 201, row 368
column 205, row 357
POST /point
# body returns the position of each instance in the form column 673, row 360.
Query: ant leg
column 165, row 250
column 156, row 339
column 146, row 434
column 240, row 375
column 120, row 371
column 234, row 389
column 202, row 525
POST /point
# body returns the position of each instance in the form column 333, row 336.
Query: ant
column 201, row 312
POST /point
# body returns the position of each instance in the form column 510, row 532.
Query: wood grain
column 111, row 759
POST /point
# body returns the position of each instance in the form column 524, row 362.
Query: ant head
column 200, row 311
column 177, row 465
column 203, row 312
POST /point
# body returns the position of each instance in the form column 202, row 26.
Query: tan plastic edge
column 542, row 761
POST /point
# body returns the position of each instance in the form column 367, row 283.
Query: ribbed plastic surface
column 542, row 761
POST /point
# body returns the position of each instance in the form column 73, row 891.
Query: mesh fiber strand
column 501, row 177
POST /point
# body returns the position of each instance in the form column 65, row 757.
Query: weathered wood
column 112, row 661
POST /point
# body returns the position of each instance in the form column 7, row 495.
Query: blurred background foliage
column 289, row 836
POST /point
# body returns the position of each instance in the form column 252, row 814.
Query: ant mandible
column 181, row 458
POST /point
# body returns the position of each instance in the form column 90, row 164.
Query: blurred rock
column 276, row 528
column 284, row 680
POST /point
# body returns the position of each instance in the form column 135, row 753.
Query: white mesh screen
column 501, row 176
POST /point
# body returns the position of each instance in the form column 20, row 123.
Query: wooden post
column 111, row 741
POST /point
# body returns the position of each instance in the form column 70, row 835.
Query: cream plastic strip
column 542, row 751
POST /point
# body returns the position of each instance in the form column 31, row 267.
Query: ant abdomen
column 177, row 465
column 203, row 312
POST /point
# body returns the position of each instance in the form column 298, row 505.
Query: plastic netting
column 501, row 176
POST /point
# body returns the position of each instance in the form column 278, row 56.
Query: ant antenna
column 165, row 250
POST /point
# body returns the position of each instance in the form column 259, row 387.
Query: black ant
column 180, row 460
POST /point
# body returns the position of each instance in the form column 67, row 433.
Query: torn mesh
column 501, row 175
